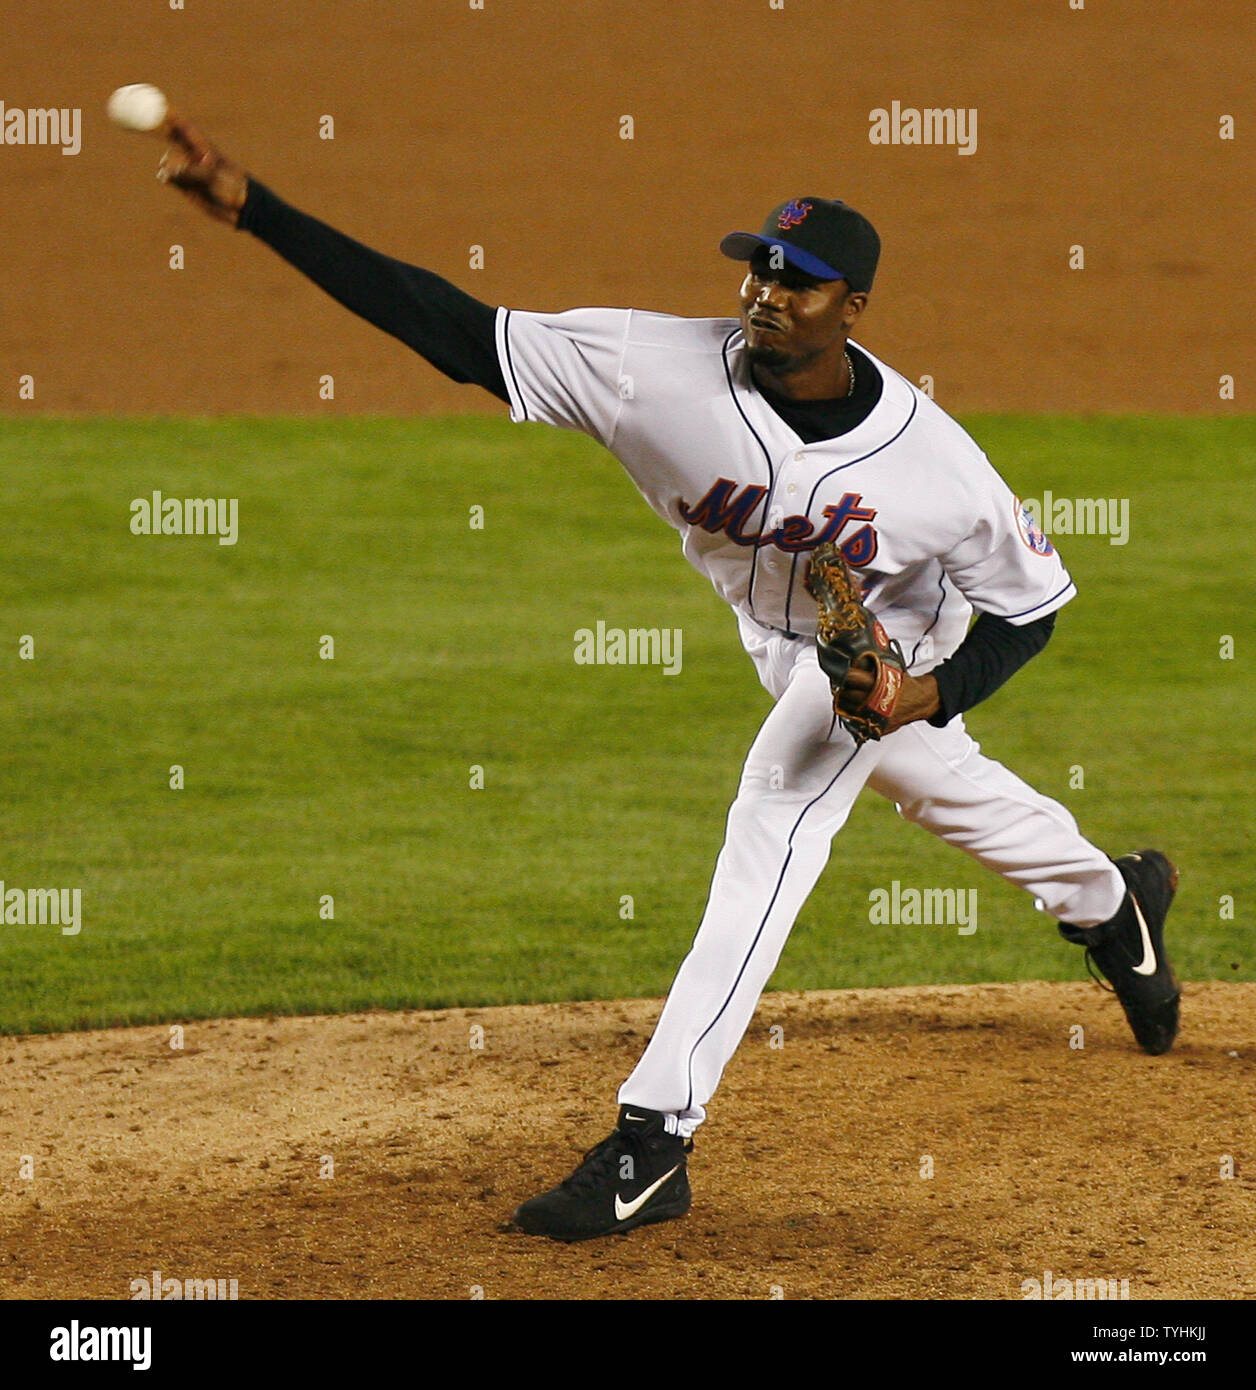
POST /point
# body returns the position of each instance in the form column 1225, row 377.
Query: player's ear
column 856, row 303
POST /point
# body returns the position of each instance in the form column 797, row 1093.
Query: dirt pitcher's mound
column 951, row 1142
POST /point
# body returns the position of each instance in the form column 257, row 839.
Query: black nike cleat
column 635, row 1176
column 1129, row 949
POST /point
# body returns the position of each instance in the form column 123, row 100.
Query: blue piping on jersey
column 767, row 458
column 510, row 362
column 937, row 613
column 811, row 501
column 780, row 878
column 1043, row 604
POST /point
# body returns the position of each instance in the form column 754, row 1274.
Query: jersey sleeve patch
column 1030, row 532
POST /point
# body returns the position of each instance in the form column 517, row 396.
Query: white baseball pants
column 800, row 780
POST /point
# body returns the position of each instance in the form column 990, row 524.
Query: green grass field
column 453, row 648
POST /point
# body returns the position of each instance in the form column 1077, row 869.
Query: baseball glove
column 850, row 636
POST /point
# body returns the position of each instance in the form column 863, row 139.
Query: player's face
column 791, row 320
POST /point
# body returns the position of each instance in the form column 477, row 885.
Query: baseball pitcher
column 855, row 530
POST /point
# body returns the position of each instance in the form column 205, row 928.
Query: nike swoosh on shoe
column 1147, row 966
column 623, row 1210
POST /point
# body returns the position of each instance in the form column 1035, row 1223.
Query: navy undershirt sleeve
column 452, row 330
column 988, row 657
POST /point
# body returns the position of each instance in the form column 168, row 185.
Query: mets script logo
column 1031, row 533
column 725, row 509
column 793, row 213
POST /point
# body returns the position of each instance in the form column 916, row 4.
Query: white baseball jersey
column 919, row 512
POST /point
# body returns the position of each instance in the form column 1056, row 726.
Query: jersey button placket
column 778, row 508
column 798, row 457
column 787, row 480
column 790, row 472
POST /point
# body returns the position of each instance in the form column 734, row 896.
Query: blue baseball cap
column 823, row 237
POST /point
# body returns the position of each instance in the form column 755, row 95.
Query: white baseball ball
column 137, row 107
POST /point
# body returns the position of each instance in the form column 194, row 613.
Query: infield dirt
column 205, row 1162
